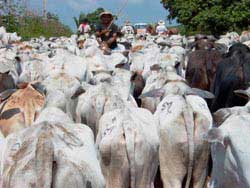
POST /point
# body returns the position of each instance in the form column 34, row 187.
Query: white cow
column 59, row 90
column 158, row 79
column 128, row 145
column 98, row 100
column 66, row 62
column 183, row 118
column 230, row 153
column 51, row 154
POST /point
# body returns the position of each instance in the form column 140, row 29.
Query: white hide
column 68, row 146
column 178, row 151
column 66, row 62
column 133, row 131
column 231, row 161
column 98, row 100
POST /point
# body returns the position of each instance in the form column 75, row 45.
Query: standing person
column 84, row 27
column 127, row 28
column 107, row 31
column 161, row 28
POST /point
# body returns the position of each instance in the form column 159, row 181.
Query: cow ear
column 153, row 93
column 39, row 87
column 125, row 66
column 6, row 94
column 78, row 92
column 7, row 114
column 18, row 59
column 101, row 71
column 243, row 93
column 177, row 65
column 133, row 77
column 214, row 135
column 107, row 80
column 155, row 67
column 202, row 93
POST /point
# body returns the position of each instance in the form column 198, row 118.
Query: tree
column 209, row 16
column 92, row 17
column 79, row 19
column 30, row 25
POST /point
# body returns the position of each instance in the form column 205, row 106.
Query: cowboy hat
column 161, row 22
column 106, row 13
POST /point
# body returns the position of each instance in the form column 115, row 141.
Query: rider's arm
column 114, row 28
column 112, row 39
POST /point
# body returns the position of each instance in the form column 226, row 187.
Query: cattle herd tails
column 164, row 112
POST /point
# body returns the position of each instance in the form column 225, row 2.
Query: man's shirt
column 105, row 37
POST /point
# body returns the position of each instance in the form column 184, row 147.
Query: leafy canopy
column 93, row 17
column 27, row 24
column 209, row 16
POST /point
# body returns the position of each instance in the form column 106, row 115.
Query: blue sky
column 135, row 11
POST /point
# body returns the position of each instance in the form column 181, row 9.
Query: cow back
column 201, row 68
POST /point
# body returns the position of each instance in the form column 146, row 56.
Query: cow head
column 80, row 44
column 138, row 84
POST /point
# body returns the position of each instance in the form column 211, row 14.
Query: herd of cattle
column 72, row 117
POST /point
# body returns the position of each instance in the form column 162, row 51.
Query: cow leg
column 200, row 169
column 202, row 151
column 173, row 170
column 201, row 181
column 199, row 177
column 115, row 165
column 148, row 155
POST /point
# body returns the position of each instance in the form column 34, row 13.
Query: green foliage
column 209, row 16
column 10, row 22
column 79, row 19
column 35, row 26
column 31, row 25
column 92, row 17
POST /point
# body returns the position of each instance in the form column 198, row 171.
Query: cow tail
column 189, row 125
column 130, row 145
column 44, row 161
